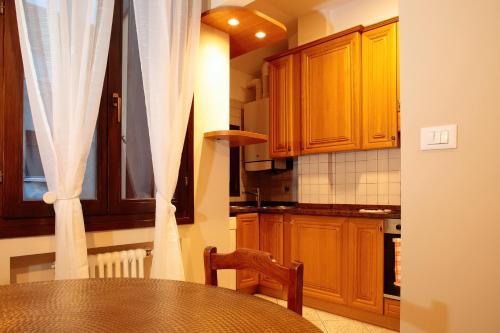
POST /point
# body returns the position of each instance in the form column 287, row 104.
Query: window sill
column 14, row 228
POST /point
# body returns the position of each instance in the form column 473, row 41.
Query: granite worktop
column 341, row 210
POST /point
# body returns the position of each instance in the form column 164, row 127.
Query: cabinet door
column 284, row 104
column 247, row 236
column 321, row 244
column 331, row 95
column 271, row 240
column 366, row 264
column 380, row 104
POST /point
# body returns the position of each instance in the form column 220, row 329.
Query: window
column 118, row 186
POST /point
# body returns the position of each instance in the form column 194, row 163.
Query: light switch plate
column 439, row 137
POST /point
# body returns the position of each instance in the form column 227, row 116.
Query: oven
column 392, row 230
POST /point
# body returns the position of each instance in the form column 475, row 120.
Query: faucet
column 257, row 195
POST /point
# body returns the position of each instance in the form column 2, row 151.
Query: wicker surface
column 139, row 305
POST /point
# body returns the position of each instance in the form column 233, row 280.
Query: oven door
column 392, row 229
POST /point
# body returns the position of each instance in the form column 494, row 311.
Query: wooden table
column 139, row 305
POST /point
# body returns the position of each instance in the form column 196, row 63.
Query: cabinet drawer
column 391, row 308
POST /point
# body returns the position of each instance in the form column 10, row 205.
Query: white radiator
column 117, row 264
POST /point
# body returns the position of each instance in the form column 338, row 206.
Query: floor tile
column 319, row 324
column 310, row 314
column 267, row 298
column 282, row 302
column 345, row 326
column 377, row 329
column 328, row 316
column 329, row 322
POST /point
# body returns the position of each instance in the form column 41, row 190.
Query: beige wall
column 331, row 17
column 211, row 158
column 211, row 168
column 238, row 83
column 450, row 74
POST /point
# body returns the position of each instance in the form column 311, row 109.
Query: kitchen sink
column 276, row 207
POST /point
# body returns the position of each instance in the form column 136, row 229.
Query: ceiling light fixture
column 260, row 34
column 233, row 22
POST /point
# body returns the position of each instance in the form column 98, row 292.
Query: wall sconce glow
column 260, row 34
column 233, row 22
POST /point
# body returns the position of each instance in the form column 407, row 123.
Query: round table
column 139, row 305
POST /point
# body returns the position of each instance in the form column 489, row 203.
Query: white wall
column 211, row 169
column 331, row 17
column 450, row 74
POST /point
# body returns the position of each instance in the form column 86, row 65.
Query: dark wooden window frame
column 20, row 218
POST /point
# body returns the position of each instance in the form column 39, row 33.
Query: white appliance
column 256, row 119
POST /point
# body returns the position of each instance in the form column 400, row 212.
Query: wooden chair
column 260, row 262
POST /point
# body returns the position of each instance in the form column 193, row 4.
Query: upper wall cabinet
column 341, row 92
column 380, row 100
column 284, row 108
column 331, row 95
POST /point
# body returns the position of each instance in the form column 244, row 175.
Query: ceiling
column 288, row 11
column 285, row 11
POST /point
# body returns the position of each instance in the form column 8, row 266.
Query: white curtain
column 64, row 46
column 168, row 33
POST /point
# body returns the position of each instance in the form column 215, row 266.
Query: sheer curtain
column 64, row 45
column 168, row 33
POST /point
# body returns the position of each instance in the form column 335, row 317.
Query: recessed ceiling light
column 233, row 21
column 260, row 34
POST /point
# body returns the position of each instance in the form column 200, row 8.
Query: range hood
column 256, row 119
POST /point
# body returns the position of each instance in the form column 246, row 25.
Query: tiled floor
column 331, row 323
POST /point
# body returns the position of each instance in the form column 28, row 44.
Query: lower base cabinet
column 271, row 240
column 391, row 308
column 343, row 262
column 343, row 259
column 247, row 236
column 366, row 264
column 320, row 243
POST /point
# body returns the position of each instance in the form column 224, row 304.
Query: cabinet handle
column 289, row 148
column 380, row 229
column 393, row 138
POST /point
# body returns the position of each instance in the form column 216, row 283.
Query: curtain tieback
column 170, row 207
column 51, row 197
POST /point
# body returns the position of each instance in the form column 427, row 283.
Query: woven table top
column 139, row 305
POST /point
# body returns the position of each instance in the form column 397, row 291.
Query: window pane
column 136, row 165
column 34, row 184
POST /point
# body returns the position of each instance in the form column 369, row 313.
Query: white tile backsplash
column 365, row 177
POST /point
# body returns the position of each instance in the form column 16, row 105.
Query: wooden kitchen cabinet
column 247, row 236
column 343, row 263
column 330, row 86
column 343, row 259
column 380, row 86
column 366, row 264
column 391, row 308
column 320, row 243
column 271, row 240
column 284, row 106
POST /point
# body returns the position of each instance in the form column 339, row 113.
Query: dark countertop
column 315, row 209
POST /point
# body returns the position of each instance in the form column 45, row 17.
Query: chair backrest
column 261, row 262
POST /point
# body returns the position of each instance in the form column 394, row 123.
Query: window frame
column 14, row 203
column 19, row 218
column 117, row 204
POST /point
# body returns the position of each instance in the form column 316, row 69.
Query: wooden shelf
column 237, row 138
column 242, row 37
